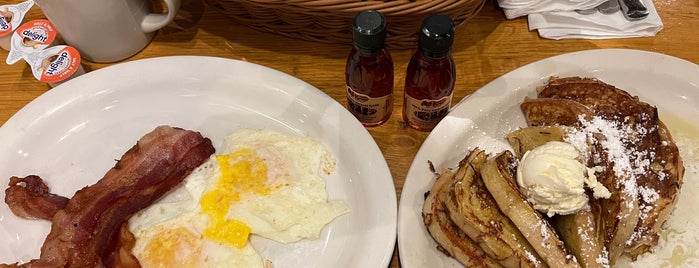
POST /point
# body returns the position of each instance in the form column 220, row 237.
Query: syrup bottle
column 430, row 77
column 369, row 70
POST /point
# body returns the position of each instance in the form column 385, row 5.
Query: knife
column 586, row 11
column 609, row 7
column 633, row 9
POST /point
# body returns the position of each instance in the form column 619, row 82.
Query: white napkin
column 570, row 24
column 518, row 8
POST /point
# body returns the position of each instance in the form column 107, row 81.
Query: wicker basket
column 329, row 21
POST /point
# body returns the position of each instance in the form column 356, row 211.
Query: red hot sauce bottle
column 369, row 71
column 429, row 80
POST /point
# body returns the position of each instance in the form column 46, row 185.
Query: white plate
column 71, row 135
column 483, row 118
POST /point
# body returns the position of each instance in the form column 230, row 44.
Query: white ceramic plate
column 483, row 119
column 71, row 135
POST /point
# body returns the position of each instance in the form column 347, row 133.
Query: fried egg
column 260, row 183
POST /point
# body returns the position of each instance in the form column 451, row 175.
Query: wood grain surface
column 487, row 47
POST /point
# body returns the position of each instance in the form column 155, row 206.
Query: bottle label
column 426, row 113
column 368, row 109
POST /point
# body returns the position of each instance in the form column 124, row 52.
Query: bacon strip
column 86, row 231
column 29, row 198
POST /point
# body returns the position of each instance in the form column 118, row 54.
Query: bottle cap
column 436, row 35
column 369, row 30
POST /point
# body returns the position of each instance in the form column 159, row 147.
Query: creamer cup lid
column 11, row 16
column 56, row 64
column 29, row 39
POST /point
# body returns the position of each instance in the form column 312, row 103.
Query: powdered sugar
column 616, row 142
column 678, row 245
column 648, row 195
column 532, row 258
column 543, row 228
column 613, row 137
column 603, row 258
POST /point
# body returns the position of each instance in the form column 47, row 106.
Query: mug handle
column 153, row 21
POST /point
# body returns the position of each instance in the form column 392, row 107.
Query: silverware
column 633, row 9
column 586, row 11
column 609, row 7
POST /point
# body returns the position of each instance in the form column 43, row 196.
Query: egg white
column 296, row 208
column 180, row 209
column 300, row 208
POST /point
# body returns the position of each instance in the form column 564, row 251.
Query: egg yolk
column 172, row 248
column 242, row 172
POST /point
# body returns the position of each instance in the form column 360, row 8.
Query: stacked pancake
column 478, row 214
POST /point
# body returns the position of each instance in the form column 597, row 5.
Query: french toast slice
column 579, row 231
column 642, row 167
column 665, row 180
column 525, row 139
column 472, row 208
column 498, row 174
column 451, row 240
column 542, row 112
column 619, row 214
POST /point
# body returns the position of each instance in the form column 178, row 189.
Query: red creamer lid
column 29, row 39
column 12, row 15
column 56, row 64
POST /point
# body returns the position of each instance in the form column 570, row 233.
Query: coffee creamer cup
column 11, row 17
column 30, row 39
column 57, row 64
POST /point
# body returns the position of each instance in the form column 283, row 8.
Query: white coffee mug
column 107, row 30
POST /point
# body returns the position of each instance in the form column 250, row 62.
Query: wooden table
column 487, row 47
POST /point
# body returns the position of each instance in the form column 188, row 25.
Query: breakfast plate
column 483, row 118
column 71, row 135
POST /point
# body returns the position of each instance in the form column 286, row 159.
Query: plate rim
column 383, row 248
column 404, row 202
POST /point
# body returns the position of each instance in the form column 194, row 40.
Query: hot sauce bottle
column 369, row 70
column 430, row 77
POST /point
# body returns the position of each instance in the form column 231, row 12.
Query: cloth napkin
column 570, row 24
column 557, row 19
column 518, row 8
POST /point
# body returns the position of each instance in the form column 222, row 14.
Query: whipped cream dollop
column 553, row 178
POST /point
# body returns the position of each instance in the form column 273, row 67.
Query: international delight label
column 56, row 64
column 30, row 39
column 7, row 19
column 12, row 15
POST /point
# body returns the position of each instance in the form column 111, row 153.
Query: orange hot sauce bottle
column 369, row 71
column 430, row 77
